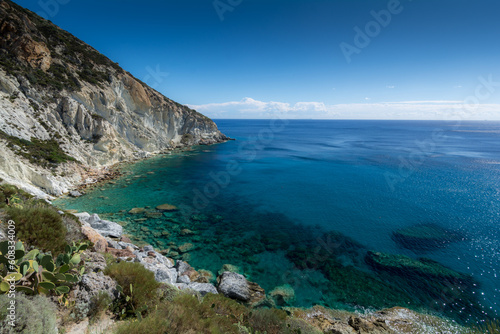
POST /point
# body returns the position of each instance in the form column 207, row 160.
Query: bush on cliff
column 213, row 314
column 40, row 226
column 39, row 152
column 34, row 315
column 144, row 294
column 9, row 194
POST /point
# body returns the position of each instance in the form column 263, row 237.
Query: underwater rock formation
column 425, row 237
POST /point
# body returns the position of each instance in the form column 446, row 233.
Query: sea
column 297, row 205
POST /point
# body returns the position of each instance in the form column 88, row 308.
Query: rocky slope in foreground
column 64, row 106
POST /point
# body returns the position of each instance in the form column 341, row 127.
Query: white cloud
column 437, row 110
column 427, row 102
column 390, row 87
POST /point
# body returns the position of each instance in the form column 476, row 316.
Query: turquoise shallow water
column 267, row 202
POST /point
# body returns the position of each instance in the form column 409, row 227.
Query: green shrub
column 41, row 152
column 110, row 259
column 269, row 320
column 153, row 324
column 213, row 314
column 144, row 292
column 100, row 304
column 297, row 325
column 185, row 314
column 34, row 315
column 39, row 225
column 10, row 195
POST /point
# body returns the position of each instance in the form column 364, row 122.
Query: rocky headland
column 68, row 114
column 66, row 109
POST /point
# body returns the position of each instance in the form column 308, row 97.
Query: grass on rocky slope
column 40, row 152
column 38, row 223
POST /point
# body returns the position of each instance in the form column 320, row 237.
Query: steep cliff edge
column 64, row 106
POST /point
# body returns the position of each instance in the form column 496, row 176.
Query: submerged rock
column 154, row 214
column 135, row 211
column 283, row 295
column 186, row 232
column 166, row 207
column 206, row 276
column 425, row 236
column 231, row 268
column 406, row 266
column 184, row 248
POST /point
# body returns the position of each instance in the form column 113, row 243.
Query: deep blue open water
column 267, row 201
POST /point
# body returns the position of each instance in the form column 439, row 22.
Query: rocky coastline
column 108, row 238
column 68, row 113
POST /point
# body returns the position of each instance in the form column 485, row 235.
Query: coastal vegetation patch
column 44, row 153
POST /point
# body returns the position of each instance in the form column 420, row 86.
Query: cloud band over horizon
column 249, row 108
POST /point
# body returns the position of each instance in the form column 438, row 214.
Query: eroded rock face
column 94, row 262
column 89, row 288
column 54, row 86
column 36, row 54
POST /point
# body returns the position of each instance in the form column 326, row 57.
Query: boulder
column 183, row 279
column 94, row 262
column 83, row 216
column 100, row 242
column 124, row 245
column 236, row 286
column 148, row 248
column 105, row 227
column 182, row 267
column 90, row 286
column 202, row 288
column 93, row 219
column 113, row 244
column 166, row 275
column 75, row 193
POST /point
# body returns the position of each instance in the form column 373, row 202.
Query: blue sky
column 253, row 58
